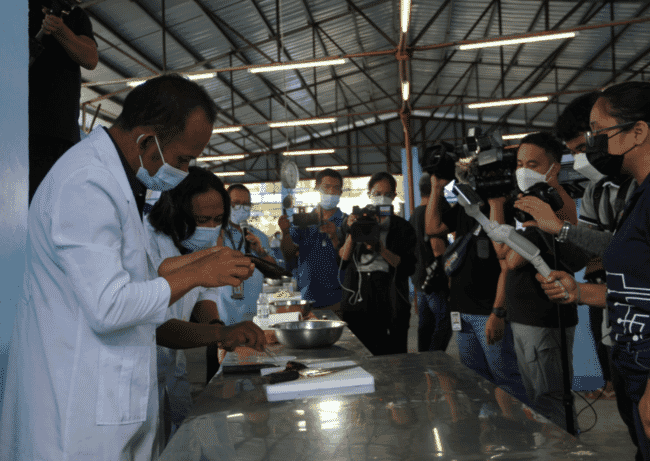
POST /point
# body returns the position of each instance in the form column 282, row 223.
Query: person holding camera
column 534, row 320
column 55, row 82
column 379, row 256
column 430, row 282
column 313, row 249
column 620, row 138
column 484, row 338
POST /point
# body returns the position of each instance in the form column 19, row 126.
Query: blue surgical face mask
column 329, row 201
column 203, row 237
column 239, row 213
column 166, row 178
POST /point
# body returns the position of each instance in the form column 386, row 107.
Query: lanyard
column 232, row 240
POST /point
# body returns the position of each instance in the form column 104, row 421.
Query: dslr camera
column 546, row 194
column 366, row 228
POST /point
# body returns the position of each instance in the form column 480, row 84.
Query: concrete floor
column 608, row 436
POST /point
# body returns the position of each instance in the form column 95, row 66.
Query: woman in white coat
column 81, row 381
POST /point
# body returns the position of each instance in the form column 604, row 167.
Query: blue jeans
column 496, row 363
column 632, row 364
column 434, row 328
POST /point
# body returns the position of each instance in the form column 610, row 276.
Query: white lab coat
column 172, row 373
column 81, row 381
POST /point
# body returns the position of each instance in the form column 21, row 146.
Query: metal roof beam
column 596, row 56
column 451, row 55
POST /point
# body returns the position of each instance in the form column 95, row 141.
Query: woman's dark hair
column 380, row 176
column 628, row 101
column 575, row 117
column 172, row 213
column 164, row 103
column 546, row 141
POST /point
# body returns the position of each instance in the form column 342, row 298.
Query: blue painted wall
column 13, row 171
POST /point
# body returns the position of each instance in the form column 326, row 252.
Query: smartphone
column 455, row 321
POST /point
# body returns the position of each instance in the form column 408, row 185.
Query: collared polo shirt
column 627, row 264
column 317, row 271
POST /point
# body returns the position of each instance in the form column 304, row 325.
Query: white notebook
column 352, row 381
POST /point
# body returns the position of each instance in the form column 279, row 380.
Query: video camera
column 366, row 228
column 481, row 161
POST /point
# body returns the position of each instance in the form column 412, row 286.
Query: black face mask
column 599, row 157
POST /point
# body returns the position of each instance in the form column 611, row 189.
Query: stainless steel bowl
column 292, row 305
column 273, row 282
column 308, row 334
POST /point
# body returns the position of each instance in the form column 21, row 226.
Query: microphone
column 244, row 231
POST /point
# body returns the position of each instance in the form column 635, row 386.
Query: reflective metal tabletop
column 425, row 406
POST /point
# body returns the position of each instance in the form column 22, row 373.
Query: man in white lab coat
column 81, row 381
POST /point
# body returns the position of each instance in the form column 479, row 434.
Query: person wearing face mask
column 620, row 129
column 601, row 206
column 185, row 224
column 82, row 363
column 241, row 236
column 604, row 197
column 532, row 317
column 313, row 250
column 376, row 302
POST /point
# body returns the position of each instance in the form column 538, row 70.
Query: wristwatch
column 564, row 232
column 499, row 312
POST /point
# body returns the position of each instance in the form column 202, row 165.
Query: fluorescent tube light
column 226, row 129
column 508, row 137
column 405, row 10
column 507, row 102
column 516, row 41
column 406, row 89
column 220, row 158
column 318, row 168
column 313, row 121
column 297, row 65
column 201, row 76
column 309, row 152
column 135, row 83
column 230, row 173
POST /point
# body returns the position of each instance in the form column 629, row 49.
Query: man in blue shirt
column 236, row 309
column 315, row 247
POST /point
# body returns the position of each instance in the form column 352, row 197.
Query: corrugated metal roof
column 218, row 34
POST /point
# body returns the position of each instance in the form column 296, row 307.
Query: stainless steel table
column 425, row 406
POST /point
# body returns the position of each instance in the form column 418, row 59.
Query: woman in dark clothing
column 619, row 142
column 375, row 301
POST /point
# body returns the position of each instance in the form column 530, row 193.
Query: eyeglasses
column 241, row 207
column 591, row 135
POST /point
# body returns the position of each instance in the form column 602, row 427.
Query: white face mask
column 582, row 166
column 329, row 201
column 239, row 213
column 527, row 178
column 380, row 200
column 203, row 237
column 166, row 178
